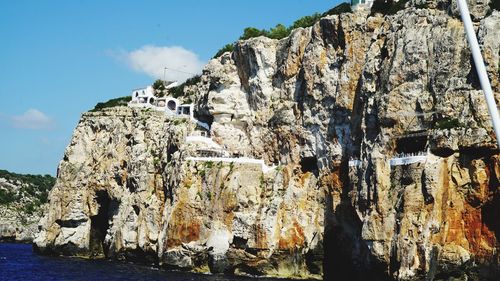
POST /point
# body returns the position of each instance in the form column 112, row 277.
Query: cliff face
column 353, row 86
column 22, row 203
column 125, row 191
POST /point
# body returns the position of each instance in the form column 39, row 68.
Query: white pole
column 481, row 69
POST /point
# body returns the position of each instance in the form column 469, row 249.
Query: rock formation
column 353, row 86
column 22, row 203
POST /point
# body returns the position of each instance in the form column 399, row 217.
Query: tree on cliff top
column 159, row 87
column 280, row 31
column 251, row 32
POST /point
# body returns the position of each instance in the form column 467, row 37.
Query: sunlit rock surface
column 354, row 86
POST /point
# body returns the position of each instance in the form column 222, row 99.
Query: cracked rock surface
column 353, row 86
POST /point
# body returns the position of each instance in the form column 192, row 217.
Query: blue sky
column 59, row 58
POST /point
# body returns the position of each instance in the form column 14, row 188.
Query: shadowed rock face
column 351, row 86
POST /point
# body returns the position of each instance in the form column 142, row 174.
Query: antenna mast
column 481, row 69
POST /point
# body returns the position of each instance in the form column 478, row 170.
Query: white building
column 145, row 98
column 362, row 3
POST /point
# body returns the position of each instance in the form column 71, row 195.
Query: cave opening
column 309, row 164
column 99, row 225
column 490, row 213
column 239, row 242
column 204, row 118
column 171, row 149
column 443, row 152
column 413, row 144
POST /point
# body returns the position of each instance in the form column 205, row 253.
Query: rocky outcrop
column 22, row 203
column 125, row 191
column 353, row 86
column 18, row 226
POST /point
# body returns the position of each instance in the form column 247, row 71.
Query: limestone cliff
column 353, row 86
column 22, row 203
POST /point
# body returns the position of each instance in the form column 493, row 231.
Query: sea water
column 18, row 262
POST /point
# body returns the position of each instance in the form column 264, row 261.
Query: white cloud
column 32, row 119
column 152, row 60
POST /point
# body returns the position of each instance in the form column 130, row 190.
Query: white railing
column 201, row 124
column 170, row 113
column 404, row 155
column 206, row 140
column 406, row 160
column 397, row 160
column 146, row 105
column 354, row 163
column 244, row 160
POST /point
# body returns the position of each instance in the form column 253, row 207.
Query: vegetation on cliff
column 30, row 190
column 180, row 90
column 121, row 101
column 388, row 7
column 280, row 31
column 357, row 88
column 495, row 4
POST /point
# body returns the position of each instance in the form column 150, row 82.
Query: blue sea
column 18, row 262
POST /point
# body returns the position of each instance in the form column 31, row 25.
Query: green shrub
column 7, row 197
column 178, row 91
column 202, row 173
column 193, row 80
column 495, row 5
column 340, row 9
column 388, row 7
column 306, row 21
column 37, row 187
column 251, row 32
column 262, row 185
column 159, row 85
column 179, row 121
column 447, row 123
column 227, row 48
column 381, row 6
column 112, row 103
column 279, row 32
column 31, row 207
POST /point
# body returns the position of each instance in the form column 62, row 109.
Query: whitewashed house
column 202, row 145
column 145, row 98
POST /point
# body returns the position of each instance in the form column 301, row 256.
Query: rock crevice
column 353, row 86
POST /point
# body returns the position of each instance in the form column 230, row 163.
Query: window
column 171, row 105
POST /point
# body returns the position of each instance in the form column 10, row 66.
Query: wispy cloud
column 152, row 60
column 32, row 119
column 53, row 140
